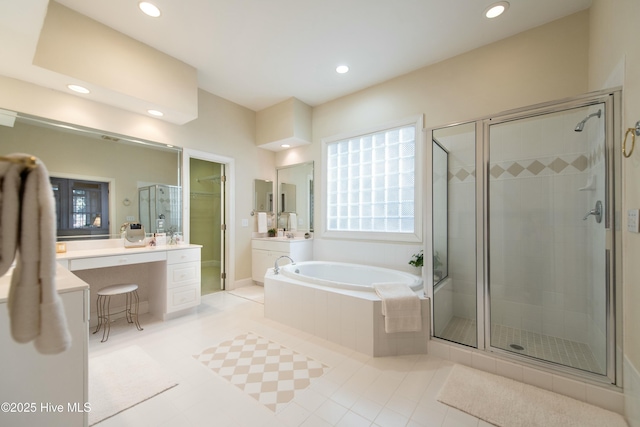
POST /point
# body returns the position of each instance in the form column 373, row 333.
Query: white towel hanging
column 293, row 222
column 262, row 222
column 36, row 312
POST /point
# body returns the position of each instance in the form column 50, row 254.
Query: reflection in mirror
column 288, row 197
column 160, row 208
column 297, row 195
column 80, row 207
column 80, row 154
column 454, row 234
column 263, row 195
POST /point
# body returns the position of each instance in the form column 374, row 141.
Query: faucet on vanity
column 276, row 269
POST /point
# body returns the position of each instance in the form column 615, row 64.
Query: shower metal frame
column 612, row 208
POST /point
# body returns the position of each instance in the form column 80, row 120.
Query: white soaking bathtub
column 336, row 302
column 342, row 275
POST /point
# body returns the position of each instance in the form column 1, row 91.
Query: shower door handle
column 597, row 212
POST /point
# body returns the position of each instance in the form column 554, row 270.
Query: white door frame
column 229, row 205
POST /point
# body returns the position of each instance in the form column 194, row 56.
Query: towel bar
column 28, row 161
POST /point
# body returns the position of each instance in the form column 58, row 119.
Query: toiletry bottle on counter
column 280, row 232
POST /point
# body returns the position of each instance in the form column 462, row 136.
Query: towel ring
column 633, row 142
column 634, row 132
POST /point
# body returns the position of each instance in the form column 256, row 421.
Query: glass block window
column 371, row 182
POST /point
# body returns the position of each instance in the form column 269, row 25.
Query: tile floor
column 558, row 350
column 355, row 390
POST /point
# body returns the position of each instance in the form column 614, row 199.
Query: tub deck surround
column 351, row 318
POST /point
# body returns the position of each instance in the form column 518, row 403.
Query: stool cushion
column 118, row 289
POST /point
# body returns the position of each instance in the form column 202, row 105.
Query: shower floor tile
column 460, row 330
column 545, row 347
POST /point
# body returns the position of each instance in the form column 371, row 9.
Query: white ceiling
column 257, row 53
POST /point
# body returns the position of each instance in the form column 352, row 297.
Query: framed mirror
column 90, row 159
column 262, row 195
column 295, row 187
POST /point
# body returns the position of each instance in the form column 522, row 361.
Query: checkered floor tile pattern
column 265, row 370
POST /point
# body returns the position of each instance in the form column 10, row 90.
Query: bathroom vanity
column 266, row 250
column 37, row 402
column 171, row 273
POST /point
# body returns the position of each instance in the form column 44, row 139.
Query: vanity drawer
column 179, row 274
column 183, row 297
column 183, row 255
column 115, row 260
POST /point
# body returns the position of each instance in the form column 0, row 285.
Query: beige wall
column 543, row 64
column 223, row 128
column 614, row 59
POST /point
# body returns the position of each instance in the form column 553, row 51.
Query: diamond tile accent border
column 266, row 371
column 529, row 168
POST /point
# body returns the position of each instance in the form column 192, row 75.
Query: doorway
column 207, row 219
column 549, row 215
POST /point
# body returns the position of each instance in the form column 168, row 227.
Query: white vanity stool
column 130, row 291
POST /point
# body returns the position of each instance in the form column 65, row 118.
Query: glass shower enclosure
column 530, row 235
column 160, row 208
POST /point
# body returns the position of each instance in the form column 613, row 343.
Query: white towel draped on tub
column 35, row 308
column 400, row 307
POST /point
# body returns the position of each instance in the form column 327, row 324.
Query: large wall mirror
column 294, row 186
column 85, row 161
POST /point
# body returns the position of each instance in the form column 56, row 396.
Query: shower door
column 549, row 234
column 453, row 247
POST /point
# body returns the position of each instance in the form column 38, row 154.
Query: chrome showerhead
column 580, row 125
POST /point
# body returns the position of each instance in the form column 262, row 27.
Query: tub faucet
column 276, row 269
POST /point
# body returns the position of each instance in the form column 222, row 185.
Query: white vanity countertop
column 66, row 281
column 119, row 250
column 283, row 239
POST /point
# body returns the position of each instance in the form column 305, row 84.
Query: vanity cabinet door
column 39, row 383
column 265, row 253
column 261, row 260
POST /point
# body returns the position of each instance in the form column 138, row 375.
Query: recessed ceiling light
column 285, row 145
column 341, row 69
column 149, row 9
column 78, row 88
column 496, row 9
column 155, row 113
